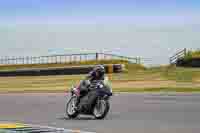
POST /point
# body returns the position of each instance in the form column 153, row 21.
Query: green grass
column 162, row 89
column 1, row 131
column 134, row 73
column 177, row 73
column 173, row 73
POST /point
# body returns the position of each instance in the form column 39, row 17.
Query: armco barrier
column 115, row 68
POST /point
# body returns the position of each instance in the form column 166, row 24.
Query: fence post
column 97, row 56
column 55, row 59
column 74, row 59
column 139, row 60
column 39, row 62
column 1, row 60
column 65, row 59
column 32, row 60
column 22, row 60
column 136, row 60
column 27, row 60
column 60, row 59
column 51, row 59
column 185, row 51
column 13, row 60
column 7, row 60
column 70, row 59
column 85, row 57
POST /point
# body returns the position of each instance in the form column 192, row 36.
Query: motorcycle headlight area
column 101, row 86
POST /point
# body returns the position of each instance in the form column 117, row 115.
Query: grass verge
column 150, row 80
column 162, row 89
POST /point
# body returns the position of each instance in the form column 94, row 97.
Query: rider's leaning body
column 96, row 75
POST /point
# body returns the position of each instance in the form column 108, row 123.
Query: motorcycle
column 100, row 105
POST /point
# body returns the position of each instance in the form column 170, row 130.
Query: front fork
column 73, row 94
column 98, row 103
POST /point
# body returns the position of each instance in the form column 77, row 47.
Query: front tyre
column 70, row 108
column 101, row 108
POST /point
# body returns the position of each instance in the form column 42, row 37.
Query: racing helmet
column 99, row 70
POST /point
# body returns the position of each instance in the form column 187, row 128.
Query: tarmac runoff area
column 130, row 112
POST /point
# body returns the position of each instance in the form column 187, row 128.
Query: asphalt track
column 135, row 113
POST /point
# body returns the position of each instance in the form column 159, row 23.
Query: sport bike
column 96, row 100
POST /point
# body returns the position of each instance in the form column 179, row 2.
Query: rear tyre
column 101, row 109
column 70, row 108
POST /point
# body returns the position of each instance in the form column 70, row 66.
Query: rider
column 96, row 75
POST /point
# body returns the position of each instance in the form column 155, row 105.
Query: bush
column 192, row 54
column 188, row 55
column 196, row 54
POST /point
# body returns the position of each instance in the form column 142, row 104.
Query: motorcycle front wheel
column 101, row 108
column 70, row 108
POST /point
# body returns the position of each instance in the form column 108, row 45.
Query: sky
column 148, row 28
column 99, row 11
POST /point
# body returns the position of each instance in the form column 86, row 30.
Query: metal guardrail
column 66, row 58
column 178, row 55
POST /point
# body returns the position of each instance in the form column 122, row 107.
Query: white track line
column 48, row 127
column 59, row 129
